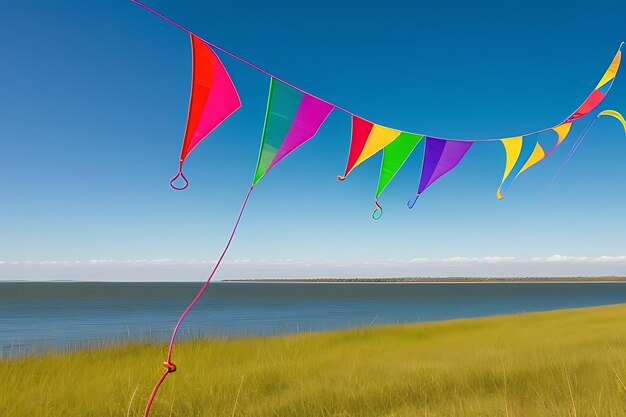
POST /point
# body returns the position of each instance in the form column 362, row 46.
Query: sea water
column 36, row 317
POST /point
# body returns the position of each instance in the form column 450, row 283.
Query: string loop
column 179, row 175
column 379, row 210
column 411, row 203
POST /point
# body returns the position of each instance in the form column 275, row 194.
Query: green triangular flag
column 394, row 156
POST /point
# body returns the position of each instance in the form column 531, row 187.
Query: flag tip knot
column 170, row 366
column 378, row 211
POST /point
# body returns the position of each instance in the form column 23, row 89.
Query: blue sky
column 93, row 109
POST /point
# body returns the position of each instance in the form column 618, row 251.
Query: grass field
column 566, row 363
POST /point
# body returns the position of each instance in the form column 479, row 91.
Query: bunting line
column 606, row 84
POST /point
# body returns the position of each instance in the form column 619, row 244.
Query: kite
column 294, row 116
column 614, row 114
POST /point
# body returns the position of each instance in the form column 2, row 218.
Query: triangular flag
column 213, row 98
column 292, row 118
column 440, row 157
column 394, row 156
column 367, row 139
column 561, row 130
column 537, row 155
column 521, row 154
column 512, row 149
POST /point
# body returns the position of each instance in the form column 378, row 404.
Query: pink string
column 169, row 365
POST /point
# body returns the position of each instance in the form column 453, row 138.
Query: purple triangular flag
column 440, row 157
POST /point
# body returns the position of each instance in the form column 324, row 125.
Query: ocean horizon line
column 448, row 279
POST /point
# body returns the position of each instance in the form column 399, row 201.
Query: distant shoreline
column 406, row 280
column 451, row 280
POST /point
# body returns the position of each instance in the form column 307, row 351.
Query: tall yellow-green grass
column 567, row 363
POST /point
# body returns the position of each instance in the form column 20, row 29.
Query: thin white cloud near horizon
column 167, row 269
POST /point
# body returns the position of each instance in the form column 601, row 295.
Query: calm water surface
column 41, row 316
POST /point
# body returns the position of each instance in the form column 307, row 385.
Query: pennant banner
column 367, row 139
column 291, row 119
column 213, row 99
column 513, row 146
column 440, row 157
